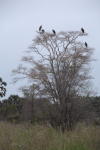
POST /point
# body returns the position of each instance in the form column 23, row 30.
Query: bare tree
column 62, row 70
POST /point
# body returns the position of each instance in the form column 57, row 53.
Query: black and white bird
column 40, row 28
column 86, row 44
column 54, row 31
column 82, row 30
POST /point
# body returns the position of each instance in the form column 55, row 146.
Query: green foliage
column 35, row 120
column 42, row 115
column 2, row 110
column 3, row 90
column 13, row 99
column 96, row 104
column 13, row 118
column 48, row 103
column 10, row 109
column 97, row 121
column 0, row 104
column 4, row 102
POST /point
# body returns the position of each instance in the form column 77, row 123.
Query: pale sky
column 20, row 19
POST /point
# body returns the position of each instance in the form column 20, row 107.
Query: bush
column 13, row 118
column 97, row 121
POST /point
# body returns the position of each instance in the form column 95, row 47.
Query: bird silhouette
column 54, row 31
column 86, row 44
column 82, row 30
column 40, row 28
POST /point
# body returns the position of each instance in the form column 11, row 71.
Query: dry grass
column 34, row 137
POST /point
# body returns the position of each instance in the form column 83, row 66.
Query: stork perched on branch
column 82, row 30
column 40, row 28
column 86, row 44
column 54, row 32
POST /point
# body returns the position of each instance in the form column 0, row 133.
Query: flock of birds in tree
column 40, row 29
column 83, row 32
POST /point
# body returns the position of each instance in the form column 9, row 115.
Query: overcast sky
column 20, row 19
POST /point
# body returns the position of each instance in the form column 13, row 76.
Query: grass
column 34, row 137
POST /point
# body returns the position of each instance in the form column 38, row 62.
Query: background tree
column 34, row 107
column 4, row 102
column 96, row 104
column 2, row 88
column 61, row 72
column 13, row 99
column 11, row 108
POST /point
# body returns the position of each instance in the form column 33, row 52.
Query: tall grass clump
column 35, row 137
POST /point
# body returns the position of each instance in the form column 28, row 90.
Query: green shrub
column 13, row 118
column 35, row 120
column 97, row 121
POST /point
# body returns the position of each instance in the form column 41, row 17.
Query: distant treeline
column 18, row 109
